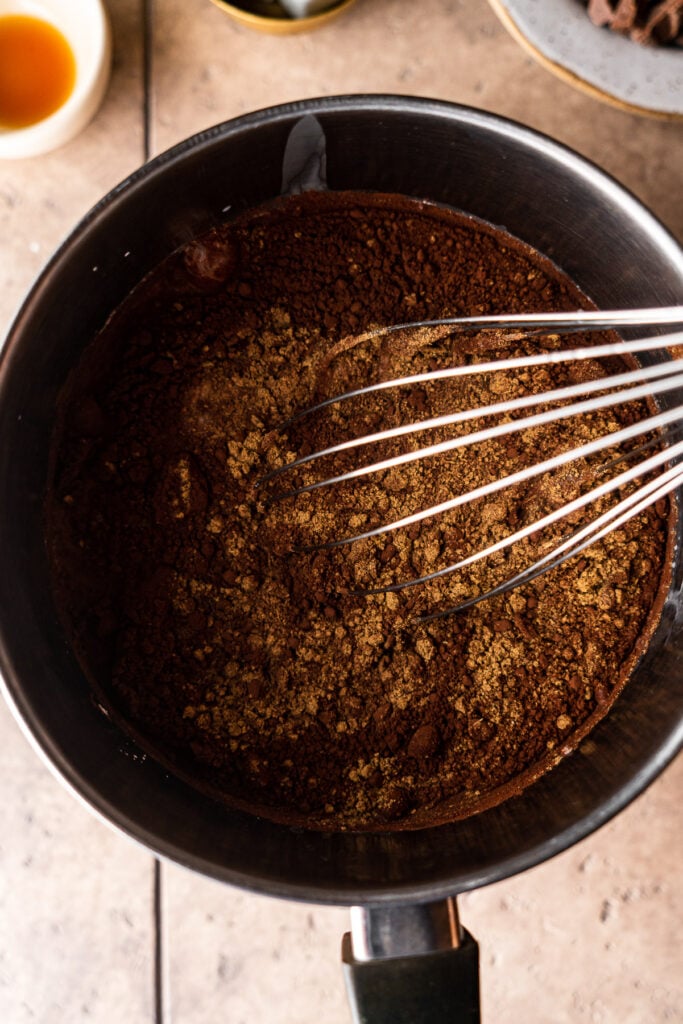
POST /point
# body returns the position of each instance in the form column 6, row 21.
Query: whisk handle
column 399, row 981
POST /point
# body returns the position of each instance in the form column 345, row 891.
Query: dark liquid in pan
column 252, row 664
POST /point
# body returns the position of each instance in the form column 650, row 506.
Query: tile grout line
column 147, row 35
column 160, row 1008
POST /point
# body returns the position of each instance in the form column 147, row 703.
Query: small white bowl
column 85, row 26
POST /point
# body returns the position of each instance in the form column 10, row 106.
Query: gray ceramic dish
column 561, row 36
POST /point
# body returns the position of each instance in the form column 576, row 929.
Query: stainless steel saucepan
column 406, row 957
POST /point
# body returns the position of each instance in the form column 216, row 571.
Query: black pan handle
column 411, row 965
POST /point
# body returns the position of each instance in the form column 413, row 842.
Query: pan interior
column 465, row 159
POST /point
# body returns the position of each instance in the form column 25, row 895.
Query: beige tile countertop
column 91, row 928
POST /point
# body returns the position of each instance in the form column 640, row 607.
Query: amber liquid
column 37, row 70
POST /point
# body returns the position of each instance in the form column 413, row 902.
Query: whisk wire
column 582, row 451
column 615, row 389
column 562, row 513
column 673, row 478
column 563, row 324
column 657, row 370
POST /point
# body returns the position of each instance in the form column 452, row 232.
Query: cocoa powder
column 201, row 605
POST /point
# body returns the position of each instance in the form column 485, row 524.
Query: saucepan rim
column 375, row 890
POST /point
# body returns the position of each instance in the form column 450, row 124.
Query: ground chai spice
column 249, row 659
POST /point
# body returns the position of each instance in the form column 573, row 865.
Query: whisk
column 662, row 376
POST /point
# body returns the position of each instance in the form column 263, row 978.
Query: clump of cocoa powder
column 250, row 659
